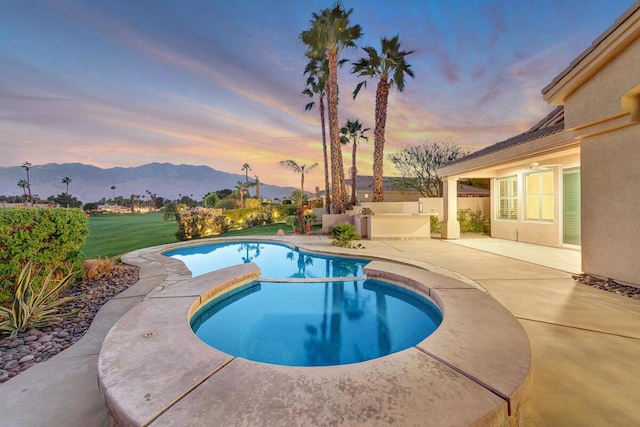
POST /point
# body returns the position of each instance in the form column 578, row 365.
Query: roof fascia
column 606, row 46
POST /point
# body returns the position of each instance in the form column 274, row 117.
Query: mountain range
column 91, row 183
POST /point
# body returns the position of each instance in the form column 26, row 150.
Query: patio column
column 450, row 227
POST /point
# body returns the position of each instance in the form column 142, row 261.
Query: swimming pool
column 316, row 324
column 306, row 309
column 274, row 259
column 464, row 369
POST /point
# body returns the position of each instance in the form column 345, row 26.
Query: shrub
column 252, row 203
column 343, row 235
column 50, row 238
column 35, row 302
column 200, row 222
column 473, row 221
column 227, row 204
column 97, row 267
column 434, row 223
column 211, row 200
column 262, row 217
column 283, row 211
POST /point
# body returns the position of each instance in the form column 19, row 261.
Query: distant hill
column 90, row 183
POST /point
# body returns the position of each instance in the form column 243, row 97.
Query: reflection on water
column 245, row 248
column 275, row 260
column 316, row 324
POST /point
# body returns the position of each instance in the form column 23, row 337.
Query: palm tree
column 353, row 133
column 26, row 166
column 257, row 184
column 113, row 190
column 240, row 186
column 318, row 70
column 66, row 180
column 330, row 32
column 246, row 168
column 23, row 184
column 389, row 67
column 301, row 169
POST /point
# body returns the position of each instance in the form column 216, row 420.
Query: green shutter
column 571, row 206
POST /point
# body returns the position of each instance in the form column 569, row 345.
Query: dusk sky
column 218, row 83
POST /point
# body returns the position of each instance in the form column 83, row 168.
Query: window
column 507, row 198
column 539, row 196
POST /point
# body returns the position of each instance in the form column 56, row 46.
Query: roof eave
column 549, row 143
column 608, row 44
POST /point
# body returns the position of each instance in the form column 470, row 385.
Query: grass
column 116, row 234
column 112, row 235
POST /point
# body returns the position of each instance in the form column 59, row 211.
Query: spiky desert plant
column 343, row 235
column 35, row 306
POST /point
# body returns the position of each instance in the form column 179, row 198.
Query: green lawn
column 116, row 234
column 112, row 235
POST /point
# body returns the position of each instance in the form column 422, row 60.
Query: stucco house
column 573, row 179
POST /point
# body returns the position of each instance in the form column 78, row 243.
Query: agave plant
column 35, row 306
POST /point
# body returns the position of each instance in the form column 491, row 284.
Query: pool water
column 316, row 324
column 275, row 260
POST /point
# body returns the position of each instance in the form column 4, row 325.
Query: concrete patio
column 584, row 341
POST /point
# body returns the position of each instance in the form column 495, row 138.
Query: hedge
column 200, row 222
column 50, row 238
column 276, row 213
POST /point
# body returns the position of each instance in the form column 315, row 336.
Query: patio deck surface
column 584, row 341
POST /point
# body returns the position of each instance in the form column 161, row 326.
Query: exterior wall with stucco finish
column 605, row 110
column 536, row 232
column 429, row 205
column 611, row 204
column 600, row 96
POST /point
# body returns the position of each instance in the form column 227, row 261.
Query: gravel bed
column 608, row 285
column 21, row 352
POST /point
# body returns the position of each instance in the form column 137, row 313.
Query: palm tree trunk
column 354, row 173
column 327, row 201
column 382, row 97
column 337, row 168
column 302, row 183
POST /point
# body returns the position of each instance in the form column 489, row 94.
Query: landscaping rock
column 27, row 358
column 608, row 285
column 35, row 346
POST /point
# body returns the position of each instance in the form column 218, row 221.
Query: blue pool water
column 316, row 324
column 275, row 260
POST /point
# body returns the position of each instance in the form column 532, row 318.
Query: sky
column 219, row 83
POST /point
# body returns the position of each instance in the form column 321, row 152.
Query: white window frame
column 511, row 199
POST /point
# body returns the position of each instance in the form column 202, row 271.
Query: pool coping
column 475, row 369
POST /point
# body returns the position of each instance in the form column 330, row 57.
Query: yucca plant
column 35, row 305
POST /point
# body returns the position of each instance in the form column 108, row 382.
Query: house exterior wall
column 429, row 205
column 536, row 232
column 366, row 196
column 611, row 204
column 599, row 97
column 540, row 233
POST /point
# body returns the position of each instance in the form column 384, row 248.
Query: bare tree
column 418, row 165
